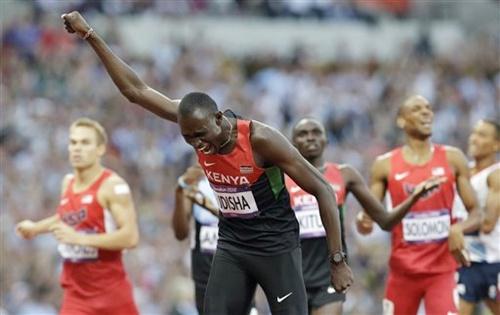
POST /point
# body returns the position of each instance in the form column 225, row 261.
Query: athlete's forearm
column 180, row 218
column 390, row 219
column 43, row 226
column 330, row 218
column 116, row 240
column 129, row 83
column 472, row 223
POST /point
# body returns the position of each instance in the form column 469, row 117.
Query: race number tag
column 208, row 238
column 425, row 227
column 76, row 253
column 310, row 223
column 236, row 201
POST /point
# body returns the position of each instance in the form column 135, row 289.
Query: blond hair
column 102, row 137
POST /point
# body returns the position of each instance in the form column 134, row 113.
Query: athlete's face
column 416, row 117
column 203, row 131
column 483, row 141
column 84, row 150
column 309, row 138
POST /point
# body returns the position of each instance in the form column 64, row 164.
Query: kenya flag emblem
column 246, row 169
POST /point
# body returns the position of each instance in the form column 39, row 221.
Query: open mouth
column 205, row 148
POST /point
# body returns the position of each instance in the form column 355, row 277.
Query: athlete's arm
column 492, row 207
column 271, row 148
column 456, row 242
column 378, row 175
column 127, row 81
column 28, row 229
column 115, row 196
column 374, row 208
column 182, row 214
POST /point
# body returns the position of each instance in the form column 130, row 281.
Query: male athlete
column 480, row 281
column 309, row 138
column 245, row 162
column 95, row 221
column 421, row 265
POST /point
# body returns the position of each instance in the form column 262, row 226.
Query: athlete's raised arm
column 272, row 148
column 374, row 208
column 127, row 81
column 116, row 196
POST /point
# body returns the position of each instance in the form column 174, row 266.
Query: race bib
column 425, row 227
column 208, row 238
column 76, row 253
column 236, row 201
column 310, row 223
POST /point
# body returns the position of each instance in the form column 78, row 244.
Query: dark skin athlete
column 310, row 139
column 207, row 132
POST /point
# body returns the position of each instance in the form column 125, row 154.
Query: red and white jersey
column 306, row 207
column 88, row 271
column 419, row 242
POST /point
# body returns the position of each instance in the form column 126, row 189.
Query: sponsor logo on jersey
column 437, row 171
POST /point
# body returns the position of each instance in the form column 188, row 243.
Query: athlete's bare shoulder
column 381, row 166
column 114, row 184
column 261, row 132
column 455, row 156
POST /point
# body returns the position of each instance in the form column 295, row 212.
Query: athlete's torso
column 204, row 240
column 87, row 270
column 315, row 266
column 419, row 242
column 256, row 217
column 484, row 247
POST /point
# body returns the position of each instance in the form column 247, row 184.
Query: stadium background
column 347, row 62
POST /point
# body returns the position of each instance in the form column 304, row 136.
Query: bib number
column 310, row 223
column 208, row 238
column 77, row 253
column 235, row 202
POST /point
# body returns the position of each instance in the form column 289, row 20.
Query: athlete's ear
column 101, row 150
column 218, row 118
column 400, row 122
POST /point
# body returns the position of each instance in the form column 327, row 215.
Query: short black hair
column 495, row 124
column 197, row 101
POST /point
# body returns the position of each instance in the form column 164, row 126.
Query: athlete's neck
column 86, row 176
column 318, row 163
column 227, row 145
column 417, row 151
column 483, row 162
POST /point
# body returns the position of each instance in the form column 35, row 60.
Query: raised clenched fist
column 75, row 23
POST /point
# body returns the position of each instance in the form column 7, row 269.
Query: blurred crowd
column 50, row 78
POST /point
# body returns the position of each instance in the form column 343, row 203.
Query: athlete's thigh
column 402, row 294
column 439, row 296
column 199, row 294
column 280, row 277
column 230, row 288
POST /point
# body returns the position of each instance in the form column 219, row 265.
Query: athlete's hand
column 428, row 185
column 26, row 229
column 341, row 276
column 193, row 175
column 456, row 245
column 75, row 23
column 364, row 224
column 65, row 233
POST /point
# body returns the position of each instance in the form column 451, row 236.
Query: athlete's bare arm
column 355, row 184
column 270, row 148
column 127, row 81
column 182, row 214
column 114, row 195
column 492, row 207
column 378, row 187
column 28, row 229
column 456, row 239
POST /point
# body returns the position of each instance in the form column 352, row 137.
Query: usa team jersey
column 256, row 216
column 419, row 242
column 315, row 266
column 89, row 271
